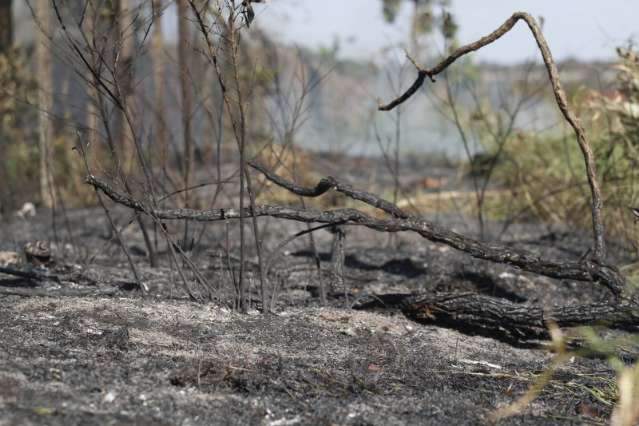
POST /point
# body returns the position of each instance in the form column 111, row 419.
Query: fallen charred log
column 499, row 318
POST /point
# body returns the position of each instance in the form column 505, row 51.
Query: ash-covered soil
column 69, row 358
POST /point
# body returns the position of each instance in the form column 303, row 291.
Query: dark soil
column 162, row 359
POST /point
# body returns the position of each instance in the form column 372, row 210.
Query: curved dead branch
column 585, row 270
column 560, row 97
column 328, row 183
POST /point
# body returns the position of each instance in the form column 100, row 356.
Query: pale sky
column 585, row 29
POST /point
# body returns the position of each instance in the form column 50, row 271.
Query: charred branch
column 560, row 98
column 498, row 317
column 42, row 292
column 328, row 183
column 583, row 270
column 29, row 274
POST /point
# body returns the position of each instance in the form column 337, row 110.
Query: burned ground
column 161, row 359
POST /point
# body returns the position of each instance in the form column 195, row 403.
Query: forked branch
column 560, row 97
column 585, row 270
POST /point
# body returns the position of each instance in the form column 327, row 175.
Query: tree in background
column 92, row 111
column 186, row 91
column 6, row 25
column 159, row 113
column 6, row 42
column 45, row 100
column 424, row 19
column 124, row 66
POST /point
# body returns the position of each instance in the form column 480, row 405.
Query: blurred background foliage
column 526, row 174
column 546, row 175
column 18, row 149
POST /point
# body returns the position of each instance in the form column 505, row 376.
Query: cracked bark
column 502, row 318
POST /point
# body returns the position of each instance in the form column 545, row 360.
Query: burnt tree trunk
column 6, row 26
column 515, row 323
column 157, row 54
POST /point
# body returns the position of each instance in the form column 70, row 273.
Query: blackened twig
column 30, row 275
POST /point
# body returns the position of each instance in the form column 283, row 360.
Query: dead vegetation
column 206, row 324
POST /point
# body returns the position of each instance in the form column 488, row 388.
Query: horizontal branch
column 475, row 311
column 500, row 311
column 586, row 270
column 30, row 275
column 42, row 292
